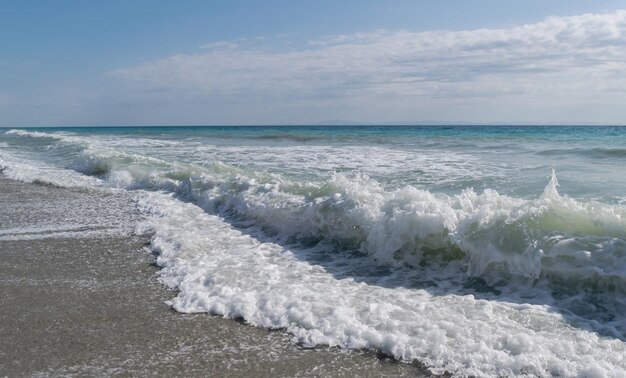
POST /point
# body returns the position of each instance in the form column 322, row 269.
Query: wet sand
column 88, row 302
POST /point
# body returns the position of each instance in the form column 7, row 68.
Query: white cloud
column 220, row 45
column 556, row 61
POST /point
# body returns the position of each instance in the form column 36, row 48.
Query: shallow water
column 454, row 246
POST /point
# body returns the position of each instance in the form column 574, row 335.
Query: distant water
column 483, row 251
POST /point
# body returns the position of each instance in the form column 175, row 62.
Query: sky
column 140, row 62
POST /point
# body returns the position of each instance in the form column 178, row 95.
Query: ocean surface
column 486, row 251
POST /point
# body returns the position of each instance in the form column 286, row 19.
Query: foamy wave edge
column 345, row 212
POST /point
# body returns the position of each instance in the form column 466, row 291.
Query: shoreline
column 91, row 304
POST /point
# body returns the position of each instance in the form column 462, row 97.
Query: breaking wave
column 346, row 261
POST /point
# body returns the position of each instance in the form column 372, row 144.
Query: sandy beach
column 87, row 302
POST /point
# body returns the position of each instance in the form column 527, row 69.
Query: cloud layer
column 557, row 61
column 560, row 70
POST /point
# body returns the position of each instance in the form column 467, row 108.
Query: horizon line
column 356, row 124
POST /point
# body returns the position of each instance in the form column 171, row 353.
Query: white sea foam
column 21, row 169
column 427, row 167
column 336, row 246
column 62, row 231
column 497, row 234
column 220, row 270
column 34, row 134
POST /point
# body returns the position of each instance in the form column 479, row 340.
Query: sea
column 473, row 250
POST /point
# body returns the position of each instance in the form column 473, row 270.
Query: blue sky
column 244, row 62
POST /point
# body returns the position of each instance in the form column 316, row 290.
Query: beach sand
column 87, row 301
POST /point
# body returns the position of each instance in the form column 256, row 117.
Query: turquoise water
column 511, row 159
column 478, row 250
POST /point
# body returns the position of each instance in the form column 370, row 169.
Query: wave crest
column 495, row 235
